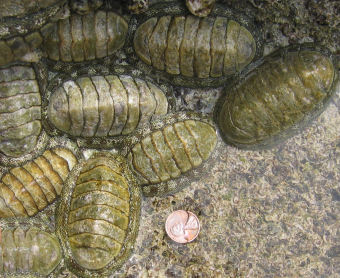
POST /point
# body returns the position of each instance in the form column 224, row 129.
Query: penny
column 182, row 226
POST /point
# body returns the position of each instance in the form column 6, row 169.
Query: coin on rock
column 182, row 226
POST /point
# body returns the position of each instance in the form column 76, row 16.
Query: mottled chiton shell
column 169, row 152
column 31, row 251
column 20, row 110
column 21, row 26
column 196, row 49
column 281, row 94
column 26, row 190
column 84, row 38
column 104, row 105
column 99, row 215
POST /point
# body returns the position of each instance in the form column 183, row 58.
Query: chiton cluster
column 84, row 71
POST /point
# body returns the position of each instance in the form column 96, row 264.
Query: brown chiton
column 98, row 217
column 26, row 190
column 283, row 93
column 169, row 152
column 28, row 251
column 20, row 110
column 21, row 26
column 87, row 37
column 104, row 105
column 193, row 51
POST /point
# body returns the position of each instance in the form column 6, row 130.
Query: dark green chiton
column 31, row 251
column 20, row 110
column 104, row 105
column 168, row 153
column 285, row 91
column 200, row 51
column 98, row 216
column 21, row 26
column 87, row 37
column 26, row 190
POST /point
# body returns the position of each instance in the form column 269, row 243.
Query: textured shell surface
column 98, row 217
column 104, row 105
column 20, row 110
column 281, row 94
column 21, row 27
column 28, row 251
column 171, row 151
column 195, row 51
column 28, row 189
column 80, row 38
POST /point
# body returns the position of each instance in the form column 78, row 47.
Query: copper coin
column 182, row 226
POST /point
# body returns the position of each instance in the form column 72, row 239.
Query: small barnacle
column 104, row 105
column 20, row 110
column 99, row 215
column 31, row 251
column 285, row 91
column 200, row 8
column 171, row 151
column 26, row 190
column 85, row 37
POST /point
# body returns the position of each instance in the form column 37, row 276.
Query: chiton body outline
column 28, row 189
column 177, row 11
column 136, row 92
column 23, row 249
column 170, row 150
column 310, row 53
column 21, row 88
column 103, row 175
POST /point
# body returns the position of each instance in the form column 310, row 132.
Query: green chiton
column 98, row 216
column 31, row 251
column 104, row 105
column 20, row 110
column 199, row 50
column 168, row 153
column 86, row 37
column 21, row 26
column 26, row 190
column 285, row 91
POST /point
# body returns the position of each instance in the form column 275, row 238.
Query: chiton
column 285, row 91
column 26, row 190
column 171, row 151
column 31, row 251
column 195, row 51
column 99, row 215
column 104, row 105
column 22, row 24
column 20, row 110
column 86, row 37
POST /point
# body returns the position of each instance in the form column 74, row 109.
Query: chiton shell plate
column 98, row 217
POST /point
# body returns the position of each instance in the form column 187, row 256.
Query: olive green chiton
column 20, row 110
column 194, row 47
column 283, row 91
column 26, row 190
column 171, row 151
column 86, row 37
column 99, row 215
column 104, row 105
column 31, row 251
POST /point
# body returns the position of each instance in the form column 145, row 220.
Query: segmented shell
column 100, row 214
column 88, row 37
column 31, row 251
column 193, row 46
column 20, row 110
column 104, row 105
column 26, row 190
column 167, row 153
column 283, row 91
